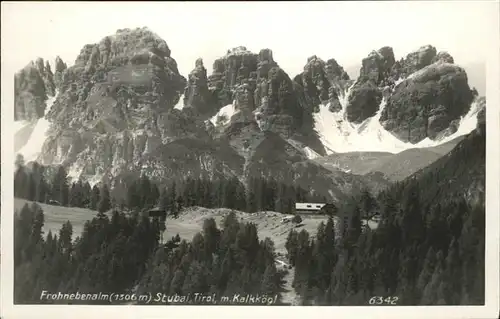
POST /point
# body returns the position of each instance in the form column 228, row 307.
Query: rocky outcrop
column 366, row 94
column 32, row 86
column 481, row 116
column 431, row 95
column 364, row 101
column 196, row 94
column 417, row 60
column 444, row 57
column 47, row 76
column 428, row 103
column 263, row 92
column 115, row 111
column 60, row 67
column 323, row 82
column 377, row 66
column 114, row 105
column 236, row 68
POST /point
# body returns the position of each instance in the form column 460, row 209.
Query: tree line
column 422, row 253
column 122, row 254
column 141, row 193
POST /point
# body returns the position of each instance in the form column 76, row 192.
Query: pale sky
column 346, row 31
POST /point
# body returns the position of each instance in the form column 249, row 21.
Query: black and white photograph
column 205, row 155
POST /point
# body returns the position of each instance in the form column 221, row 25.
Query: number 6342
column 379, row 300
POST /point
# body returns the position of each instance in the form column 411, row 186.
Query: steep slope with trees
column 427, row 250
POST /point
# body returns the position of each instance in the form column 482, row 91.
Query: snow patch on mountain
column 180, row 104
column 306, row 150
column 224, row 115
column 338, row 135
column 33, row 146
column 310, row 153
column 468, row 122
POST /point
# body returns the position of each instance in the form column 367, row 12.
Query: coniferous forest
column 428, row 248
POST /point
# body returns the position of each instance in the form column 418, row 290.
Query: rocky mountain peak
column 444, row 57
column 32, row 86
column 196, row 93
column 377, row 65
column 420, row 106
column 113, row 103
column 238, row 51
column 335, row 72
column 116, row 110
column 418, row 59
column 323, row 82
column 60, row 67
column 266, row 55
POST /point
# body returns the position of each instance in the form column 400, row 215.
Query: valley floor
column 190, row 222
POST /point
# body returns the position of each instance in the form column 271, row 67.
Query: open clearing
column 190, row 222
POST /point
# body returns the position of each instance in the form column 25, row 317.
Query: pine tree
column 133, row 196
column 270, row 195
column 280, row 204
column 42, row 188
column 453, row 275
column 37, row 228
column 269, row 283
column 144, row 191
column 189, row 192
column 173, row 200
column 21, row 182
column 153, row 196
column 86, row 194
column 177, row 282
column 219, row 193
column 412, row 224
column 197, row 279
column 427, row 269
column 352, row 279
column 163, row 199
column 354, row 229
column 208, row 199
column 65, row 237
column 72, row 195
column 291, row 246
column 60, row 186
column 229, row 193
column 368, row 203
column 180, row 205
column 95, row 197
column 250, row 196
column 429, row 295
column 211, row 235
column 104, row 200
column 240, row 196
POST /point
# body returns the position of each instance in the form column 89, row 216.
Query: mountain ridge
column 117, row 109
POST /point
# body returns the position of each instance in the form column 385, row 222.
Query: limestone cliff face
column 115, row 105
column 115, row 111
column 32, row 86
column 197, row 94
column 427, row 104
column 265, row 98
column 425, row 93
column 323, row 82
